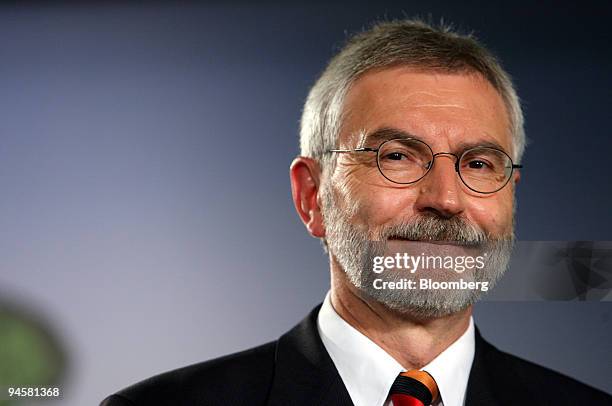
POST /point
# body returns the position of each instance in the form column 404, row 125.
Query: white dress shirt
column 368, row 371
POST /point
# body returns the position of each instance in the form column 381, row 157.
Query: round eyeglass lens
column 404, row 160
column 485, row 170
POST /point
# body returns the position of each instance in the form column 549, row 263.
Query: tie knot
column 413, row 388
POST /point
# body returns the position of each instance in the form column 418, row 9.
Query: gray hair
column 406, row 42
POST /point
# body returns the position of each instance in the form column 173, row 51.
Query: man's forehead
column 428, row 104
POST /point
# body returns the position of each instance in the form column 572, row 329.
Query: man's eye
column 477, row 165
column 395, row 156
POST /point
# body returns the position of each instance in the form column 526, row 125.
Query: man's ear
column 305, row 180
column 516, row 177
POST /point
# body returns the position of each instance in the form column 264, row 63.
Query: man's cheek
column 495, row 219
column 383, row 208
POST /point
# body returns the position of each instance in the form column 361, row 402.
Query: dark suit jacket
column 297, row 370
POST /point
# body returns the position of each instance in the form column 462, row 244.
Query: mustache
column 431, row 227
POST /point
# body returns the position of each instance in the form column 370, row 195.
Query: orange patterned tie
column 413, row 388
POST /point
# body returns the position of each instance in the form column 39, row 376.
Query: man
column 410, row 143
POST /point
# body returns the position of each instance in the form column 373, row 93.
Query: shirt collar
column 451, row 368
column 368, row 371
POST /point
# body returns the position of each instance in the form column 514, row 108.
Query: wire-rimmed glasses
column 407, row 160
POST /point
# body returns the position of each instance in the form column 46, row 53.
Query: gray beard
column 355, row 249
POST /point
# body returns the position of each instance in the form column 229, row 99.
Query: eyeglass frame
column 433, row 159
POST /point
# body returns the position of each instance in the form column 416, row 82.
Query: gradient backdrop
column 144, row 154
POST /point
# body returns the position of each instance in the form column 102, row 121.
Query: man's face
column 449, row 112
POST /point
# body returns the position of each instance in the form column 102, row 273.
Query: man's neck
column 411, row 341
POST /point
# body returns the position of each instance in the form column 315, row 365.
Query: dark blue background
column 144, row 154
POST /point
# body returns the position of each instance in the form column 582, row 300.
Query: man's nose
column 440, row 190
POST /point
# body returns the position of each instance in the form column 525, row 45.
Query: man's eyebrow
column 464, row 146
column 377, row 137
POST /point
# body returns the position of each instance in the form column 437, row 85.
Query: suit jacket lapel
column 305, row 374
column 479, row 390
column 492, row 382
